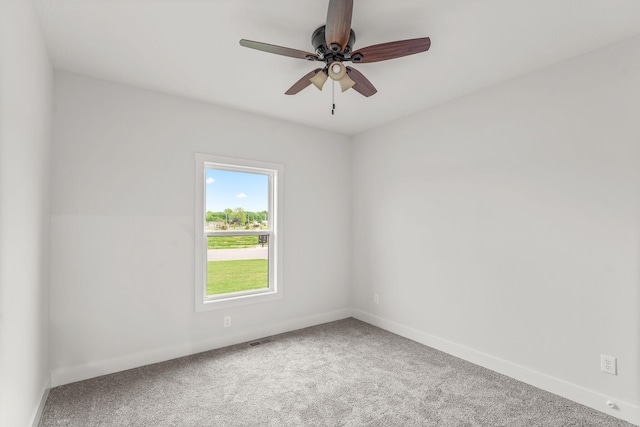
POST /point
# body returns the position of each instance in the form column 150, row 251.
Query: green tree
column 210, row 216
column 239, row 217
column 228, row 215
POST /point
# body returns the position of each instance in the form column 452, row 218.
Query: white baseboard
column 110, row 366
column 625, row 410
column 35, row 419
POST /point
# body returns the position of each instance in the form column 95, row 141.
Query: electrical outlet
column 608, row 364
column 376, row 299
column 227, row 321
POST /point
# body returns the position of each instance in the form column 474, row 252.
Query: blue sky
column 233, row 190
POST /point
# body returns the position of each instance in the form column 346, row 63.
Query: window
column 238, row 226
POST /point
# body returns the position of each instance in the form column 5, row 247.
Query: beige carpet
column 344, row 373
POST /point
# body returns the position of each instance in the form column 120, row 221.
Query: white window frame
column 275, row 172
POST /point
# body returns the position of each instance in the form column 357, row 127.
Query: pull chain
column 333, row 97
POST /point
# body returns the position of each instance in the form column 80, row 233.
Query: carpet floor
column 344, row 373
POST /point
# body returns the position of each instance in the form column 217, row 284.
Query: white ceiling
column 190, row 48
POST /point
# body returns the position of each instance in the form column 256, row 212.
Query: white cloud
column 241, row 196
column 210, row 180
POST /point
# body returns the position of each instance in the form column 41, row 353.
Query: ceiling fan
column 333, row 45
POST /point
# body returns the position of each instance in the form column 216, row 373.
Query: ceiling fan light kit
column 333, row 44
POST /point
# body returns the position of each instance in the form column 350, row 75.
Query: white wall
column 504, row 227
column 25, row 114
column 123, row 217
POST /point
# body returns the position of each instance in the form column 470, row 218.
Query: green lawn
column 232, row 242
column 238, row 275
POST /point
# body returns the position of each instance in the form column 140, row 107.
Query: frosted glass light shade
column 337, row 75
column 346, row 83
column 319, row 79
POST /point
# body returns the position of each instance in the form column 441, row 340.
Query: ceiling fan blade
column 302, row 83
column 391, row 50
column 338, row 27
column 363, row 85
column 278, row 50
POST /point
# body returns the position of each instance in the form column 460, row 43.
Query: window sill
column 230, row 301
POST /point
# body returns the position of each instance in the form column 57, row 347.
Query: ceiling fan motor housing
column 320, row 45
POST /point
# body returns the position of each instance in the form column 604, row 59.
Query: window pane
column 236, row 200
column 237, row 264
